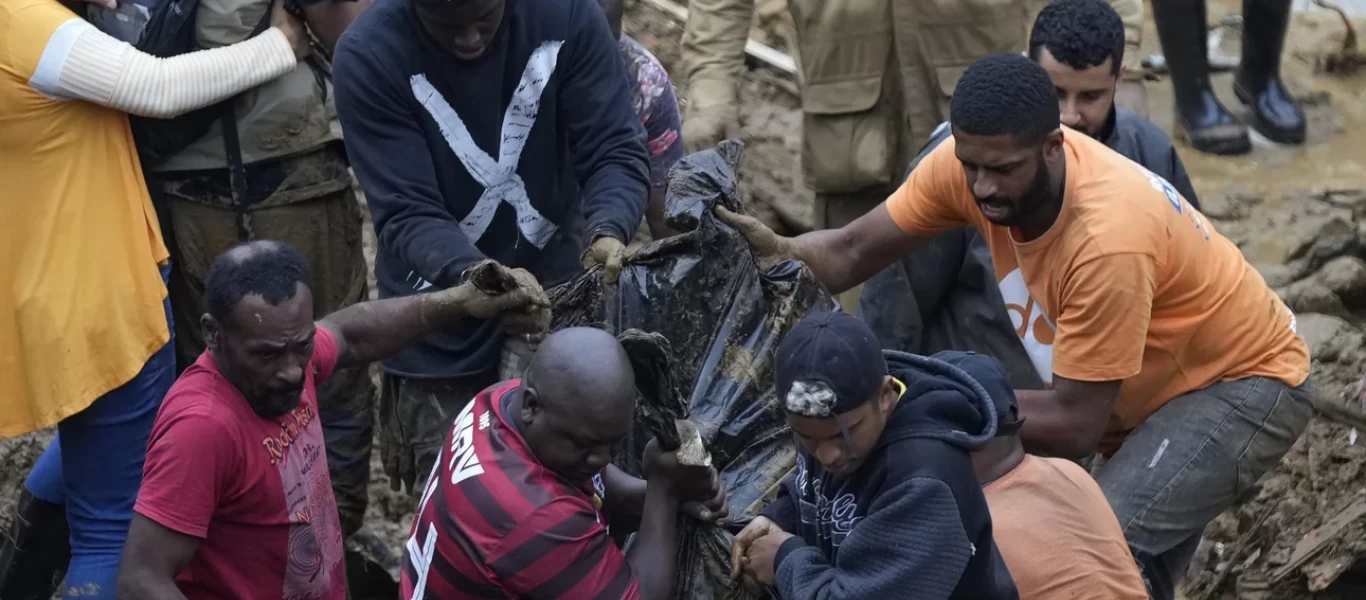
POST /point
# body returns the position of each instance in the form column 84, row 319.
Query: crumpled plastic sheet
column 723, row 318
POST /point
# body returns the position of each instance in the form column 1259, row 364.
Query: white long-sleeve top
column 81, row 62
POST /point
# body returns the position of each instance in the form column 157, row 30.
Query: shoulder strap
column 232, row 146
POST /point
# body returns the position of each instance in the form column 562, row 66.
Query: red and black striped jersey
column 494, row 523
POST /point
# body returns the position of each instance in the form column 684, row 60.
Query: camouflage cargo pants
column 416, row 414
column 308, row 202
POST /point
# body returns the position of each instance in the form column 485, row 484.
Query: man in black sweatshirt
column 482, row 129
column 885, row 502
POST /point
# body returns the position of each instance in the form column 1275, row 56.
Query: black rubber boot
column 1200, row 118
column 1275, row 114
column 35, row 551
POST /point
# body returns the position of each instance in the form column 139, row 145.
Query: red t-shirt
column 255, row 491
column 494, row 523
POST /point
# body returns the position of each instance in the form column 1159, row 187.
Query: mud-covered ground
column 1299, row 214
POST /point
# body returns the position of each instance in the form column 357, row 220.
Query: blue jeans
column 94, row 467
column 1191, row 460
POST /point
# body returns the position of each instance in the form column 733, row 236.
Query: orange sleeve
column 932, row 198
column 1104, row 310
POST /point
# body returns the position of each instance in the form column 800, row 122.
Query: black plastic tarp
column 723, row 318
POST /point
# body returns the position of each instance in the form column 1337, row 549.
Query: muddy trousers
column 1191, row 460
column 94, row 468
column 307, row 202
column 414, row 416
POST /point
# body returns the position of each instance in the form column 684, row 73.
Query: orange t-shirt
column 1058, row 535
column 1130, row 283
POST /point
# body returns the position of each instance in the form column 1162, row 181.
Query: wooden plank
column 760, row 52
column 1317, row 539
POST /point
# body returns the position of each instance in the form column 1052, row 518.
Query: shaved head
column 582, row 369
column 577, row 401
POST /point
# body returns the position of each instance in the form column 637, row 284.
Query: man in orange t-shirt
column 1167, row 351
column 1051, row 522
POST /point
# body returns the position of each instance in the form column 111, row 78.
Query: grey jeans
column 1191, row 460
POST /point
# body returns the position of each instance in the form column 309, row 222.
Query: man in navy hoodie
column 885, row 502
column 482, row 129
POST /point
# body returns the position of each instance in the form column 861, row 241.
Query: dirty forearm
column 652, row 557
column 829, row 254
column 713, row 52
column 370, row 331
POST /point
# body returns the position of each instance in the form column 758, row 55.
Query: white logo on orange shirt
column 1031, row 324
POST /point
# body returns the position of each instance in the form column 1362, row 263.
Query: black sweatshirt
column 912, row 522
column 466, row 160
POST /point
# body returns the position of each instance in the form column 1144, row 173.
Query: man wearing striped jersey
column 519, row 500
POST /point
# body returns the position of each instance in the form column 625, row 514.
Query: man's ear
column 1052, row 145
column 212, row 331
column 531, row 405
column 889, row 394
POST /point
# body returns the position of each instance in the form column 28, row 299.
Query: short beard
column 274, row 406
column 1038, row 194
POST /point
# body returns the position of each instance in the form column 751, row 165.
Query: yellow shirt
column 80, row 292
column 1130, row 283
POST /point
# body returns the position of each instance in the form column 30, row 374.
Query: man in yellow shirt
column 84, row 328
column 1165, row 350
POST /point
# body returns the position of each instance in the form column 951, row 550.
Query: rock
column 1299, row 222
column 1277, row 276
column 1352, row 199
column 1328, row 337
column 1312, row 296
column 1232, row 204
column 1325, row 249
column 1346, row 277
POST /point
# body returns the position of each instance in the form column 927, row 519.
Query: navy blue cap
column 991, row 375
column 829, row 364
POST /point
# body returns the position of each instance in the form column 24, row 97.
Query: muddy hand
column 529, row 325
column 769, row 247
column 293, row 27
column 608, row 252
column 706, row 129
column 527, row 297
column 739, row 551
column 759, row 560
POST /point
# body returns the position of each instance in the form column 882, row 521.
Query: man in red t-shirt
column 514, row 507
column 236, row 501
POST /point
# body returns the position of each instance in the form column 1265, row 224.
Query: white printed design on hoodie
column 499, row 176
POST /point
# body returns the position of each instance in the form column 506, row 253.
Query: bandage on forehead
column 829, row 364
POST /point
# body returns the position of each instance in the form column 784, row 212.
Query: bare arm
column 152, row 558
column 369, row 331
column 839, row 258
column 328, row 19
column 653, row 556
column 624, row 500
column 1069, row 420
